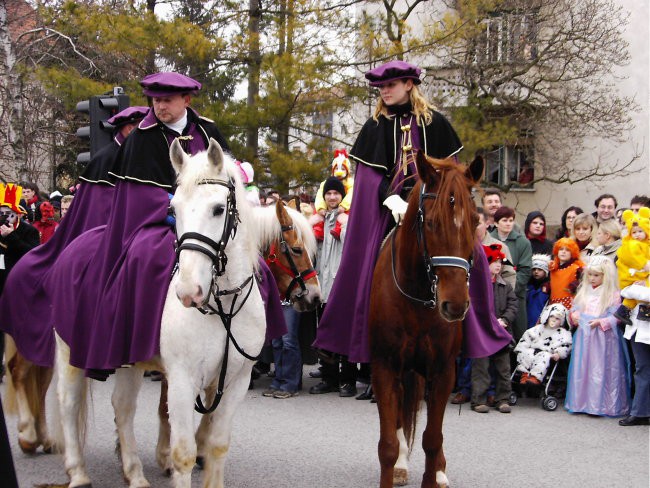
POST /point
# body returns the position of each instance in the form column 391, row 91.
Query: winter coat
column 522, row 255
column 608, row 250
column 506, row 302
column 15, row 245
column 536, row 298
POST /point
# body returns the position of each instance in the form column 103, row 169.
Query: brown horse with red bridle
column 419, row 298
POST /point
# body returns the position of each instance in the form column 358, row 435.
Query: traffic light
column 100, row 108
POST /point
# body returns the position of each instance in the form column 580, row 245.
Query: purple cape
column 27, row 295
column 344, row 326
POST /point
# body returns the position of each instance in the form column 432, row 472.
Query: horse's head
column 288, row 246
column 209, row 205
column 444, row 215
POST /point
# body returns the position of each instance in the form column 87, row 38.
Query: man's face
column 491, row 203
column 10, row 215
column 332, row 199
column 171, row 108
column 28, row 194
column 606, row 209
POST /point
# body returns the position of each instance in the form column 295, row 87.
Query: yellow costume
column 340, row 169
column 633, row 255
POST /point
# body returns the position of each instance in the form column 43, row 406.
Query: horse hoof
column 48, row 449
column 27, row 447
column 200, row 462
column 400, row 477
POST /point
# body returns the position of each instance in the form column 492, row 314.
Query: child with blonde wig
column 598, row 381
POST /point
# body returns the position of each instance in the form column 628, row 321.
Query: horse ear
column 215, row 154
column 281, row 213
column 423, row 165
column 474, row 171
column 177, row 155
column 292, row 204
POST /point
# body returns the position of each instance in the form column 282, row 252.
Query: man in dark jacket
column 505, row 308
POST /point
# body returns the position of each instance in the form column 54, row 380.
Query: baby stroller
column 552, row 389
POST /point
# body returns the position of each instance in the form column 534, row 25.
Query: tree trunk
column 254, row 67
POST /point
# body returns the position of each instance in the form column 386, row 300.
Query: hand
column 397, row 206
column 5, row 230
column 575, row 317
column 594, row 323
column 321, row 213
column 341, row 209
column 555, row 356
column 503, row 323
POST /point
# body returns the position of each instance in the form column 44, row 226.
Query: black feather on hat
column 333, row 183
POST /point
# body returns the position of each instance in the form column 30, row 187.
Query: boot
column 524, row 378
column 366, row 395
column 319, row 230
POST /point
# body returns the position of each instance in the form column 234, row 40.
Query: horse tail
column 10, row 404
column 413, row 394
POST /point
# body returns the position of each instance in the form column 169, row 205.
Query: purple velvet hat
column 168, row 83
column 128, row 115
column 394, row 70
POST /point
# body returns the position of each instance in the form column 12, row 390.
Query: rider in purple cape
column 115, row 319
column 27, row 298
column 384, row 151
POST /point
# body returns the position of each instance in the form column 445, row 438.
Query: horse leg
column 44, row 379
column 180, row 401
column 72, row 396
column 203, row 431
column 435, row 463
column 163, row 451
column 401, row 471
column 22, row 372
column 384, row 386
column 124, row 399
column 218, row 441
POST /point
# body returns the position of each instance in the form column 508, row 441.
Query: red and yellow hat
column 10, row 195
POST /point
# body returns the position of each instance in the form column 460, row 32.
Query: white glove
column 397, row 206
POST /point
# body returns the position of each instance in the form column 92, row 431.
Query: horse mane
column 200, row 170
column 452, row 182
column 269, row 229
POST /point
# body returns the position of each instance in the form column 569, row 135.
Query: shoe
column 524, row 378
column 315, row 374
column 632, row 420
column 460, row 398
column 269, row 392
column 366, row 394
column 481, row 408
column 322, row 387
column 347, row 390
column 623, row 314
column 491, row 402
column 504, row 407
column 284, row 394
column 533, row 381
column 156, row 376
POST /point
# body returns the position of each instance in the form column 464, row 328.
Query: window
column 507, row 38
column 510, row 165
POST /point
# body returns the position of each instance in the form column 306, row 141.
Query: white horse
column 200, row 353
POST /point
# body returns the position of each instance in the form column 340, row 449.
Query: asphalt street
column 328, row 441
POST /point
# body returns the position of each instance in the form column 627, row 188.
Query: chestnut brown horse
column 419, row 297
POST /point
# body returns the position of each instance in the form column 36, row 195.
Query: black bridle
column 299, row 278
column 431, row 263
column 216, row 252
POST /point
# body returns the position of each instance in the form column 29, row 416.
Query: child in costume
column 247, row 177
column 47, row 224
column 341, row 170
column 565, row 271
column 539, row 288
column 598, row 382
column 633, row 257
column 547, row 340
column 505, row 308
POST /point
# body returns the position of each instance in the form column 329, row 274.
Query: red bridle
column 298, row 277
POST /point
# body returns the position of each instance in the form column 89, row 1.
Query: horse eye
column 297, row 250
column 218, row 210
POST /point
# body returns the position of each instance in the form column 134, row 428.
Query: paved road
column 330, row 442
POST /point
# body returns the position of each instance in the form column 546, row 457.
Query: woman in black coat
column 535, row 230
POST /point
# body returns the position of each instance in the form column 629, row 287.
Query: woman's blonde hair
column 584, row 220
column 422, row 109
column 611, row 227
column 609, row 288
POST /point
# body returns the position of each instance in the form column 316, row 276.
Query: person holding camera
column 17, row 237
